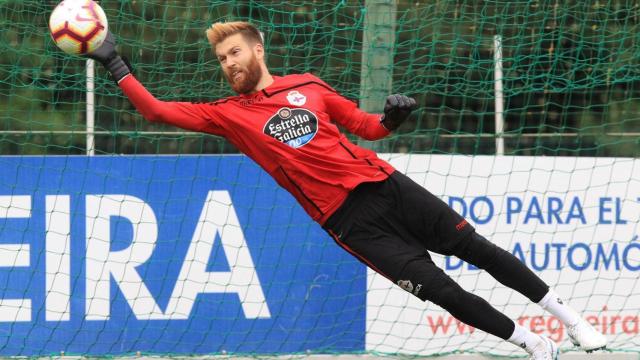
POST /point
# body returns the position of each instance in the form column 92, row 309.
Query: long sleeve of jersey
column 188, row 116
column 346, row 113
column 289, row 129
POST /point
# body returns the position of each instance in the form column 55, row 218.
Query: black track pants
column 391, row 225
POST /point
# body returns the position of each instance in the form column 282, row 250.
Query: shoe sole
column 589, row 351
column 596, row 349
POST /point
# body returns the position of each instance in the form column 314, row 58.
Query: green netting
column 571, row 75
column 570, row 72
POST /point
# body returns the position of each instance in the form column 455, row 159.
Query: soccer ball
column 78, row 26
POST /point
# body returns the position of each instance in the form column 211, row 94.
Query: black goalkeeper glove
column 106, row 54
column 397, row 109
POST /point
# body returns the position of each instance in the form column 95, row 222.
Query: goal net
column 119, row 236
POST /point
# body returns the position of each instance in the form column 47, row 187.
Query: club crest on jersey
column 296, row 98
column 294, row 127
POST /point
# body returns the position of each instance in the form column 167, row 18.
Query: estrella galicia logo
column 294, row 127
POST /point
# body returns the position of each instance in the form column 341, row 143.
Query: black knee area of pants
column 449, row 295
column 437, row 287
column 424, row 279
column 502, row 265
column 479, row 251
column 471, row 309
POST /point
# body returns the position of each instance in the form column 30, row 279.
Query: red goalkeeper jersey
column 288, row 129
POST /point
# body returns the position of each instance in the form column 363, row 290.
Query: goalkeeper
column 287, row 124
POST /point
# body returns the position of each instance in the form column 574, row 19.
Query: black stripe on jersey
column 347, row 149
column 355, row 157
column 300, row 191
column 222, row 101
column 295, row 86
column 215, row 102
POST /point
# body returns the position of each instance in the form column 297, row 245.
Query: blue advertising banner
column 167, row 254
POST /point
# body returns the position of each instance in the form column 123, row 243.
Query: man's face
column 239, row 63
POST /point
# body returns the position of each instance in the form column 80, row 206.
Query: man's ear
column 259, row 50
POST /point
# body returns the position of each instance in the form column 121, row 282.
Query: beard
column 252, row 73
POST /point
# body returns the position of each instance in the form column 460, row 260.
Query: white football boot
column 586, row 337
column 544, row 350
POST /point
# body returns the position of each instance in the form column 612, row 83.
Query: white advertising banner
column 574, row 221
